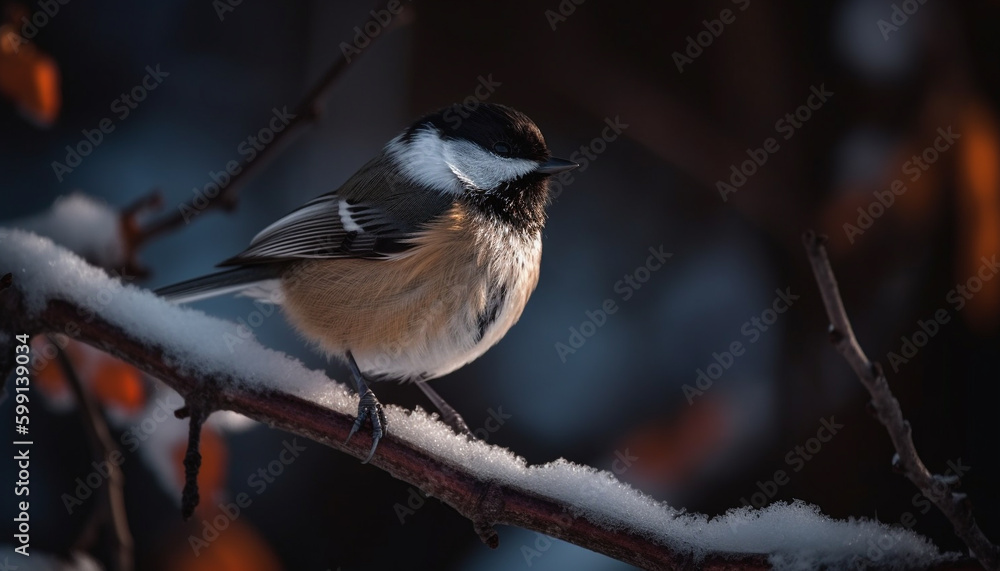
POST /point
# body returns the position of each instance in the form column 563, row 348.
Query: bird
column 417, row 264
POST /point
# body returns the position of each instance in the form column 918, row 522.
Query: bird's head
column 490, row 155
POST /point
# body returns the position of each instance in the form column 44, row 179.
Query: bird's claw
column 369, row 407
column 455, row 421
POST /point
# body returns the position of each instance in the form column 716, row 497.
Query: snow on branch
column 955, row 506
column 217, row 366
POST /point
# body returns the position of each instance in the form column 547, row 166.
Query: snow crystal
column 794, row 536
column 82, row 224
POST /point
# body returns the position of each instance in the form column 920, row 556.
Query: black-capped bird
column 419, row 263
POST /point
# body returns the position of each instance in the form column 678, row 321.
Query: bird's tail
column 221, row 283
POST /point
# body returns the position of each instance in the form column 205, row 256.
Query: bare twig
column 106, row 451
column 955, row 506
column 308, row 111
column 133, row 235
column 192, row 460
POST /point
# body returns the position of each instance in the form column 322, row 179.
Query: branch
column 213, row 367
column 134, row 236
column 104, row 450
column 192, row 458
column 307, row 112
column 485, row 503
column 955, row 506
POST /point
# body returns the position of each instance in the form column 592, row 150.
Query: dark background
column 655, row 185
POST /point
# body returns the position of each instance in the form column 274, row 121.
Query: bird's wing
column 374, row 215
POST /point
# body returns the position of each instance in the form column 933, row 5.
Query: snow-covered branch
column 217, row 365
column 954, row 505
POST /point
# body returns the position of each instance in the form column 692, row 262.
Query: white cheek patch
column 422, row 160
column 482, row 169
column 453, row 166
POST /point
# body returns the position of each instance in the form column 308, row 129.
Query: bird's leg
column 368, row 407
column 448, row 414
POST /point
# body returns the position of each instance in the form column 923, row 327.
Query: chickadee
column 419, row 263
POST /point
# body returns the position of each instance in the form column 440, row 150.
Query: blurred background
column 740, row 124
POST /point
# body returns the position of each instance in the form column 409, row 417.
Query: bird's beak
column 554, row 165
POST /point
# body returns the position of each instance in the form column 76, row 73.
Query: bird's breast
column 422, row 314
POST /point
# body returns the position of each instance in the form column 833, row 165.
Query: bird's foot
column 451, row 417
column 369, row 407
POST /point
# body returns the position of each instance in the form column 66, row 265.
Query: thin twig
column 132, row 232
column 308, row 111
column 955, row 506
column 107, row 452
column 192, row 461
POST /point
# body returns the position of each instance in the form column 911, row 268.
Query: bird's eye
column 501, row 148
